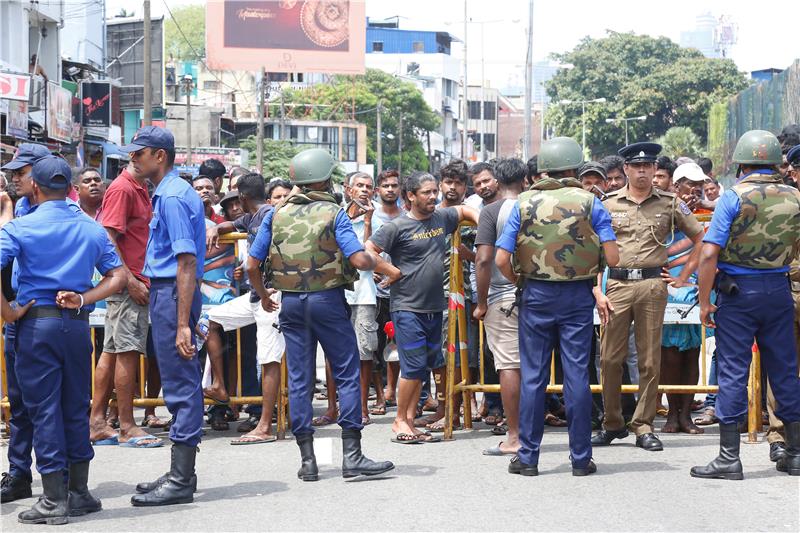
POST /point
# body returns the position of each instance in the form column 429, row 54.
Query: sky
column 767, row 30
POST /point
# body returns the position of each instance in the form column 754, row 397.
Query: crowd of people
column 550, row 249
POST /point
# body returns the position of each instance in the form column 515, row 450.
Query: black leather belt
column 51, row 311
column 634, row 274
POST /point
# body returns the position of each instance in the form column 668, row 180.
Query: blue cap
column 793, row 156
column 27, row 154
column 150, row 137
column 640, row 152
column 49, row 170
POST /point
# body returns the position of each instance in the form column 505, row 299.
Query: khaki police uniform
column 642, row 231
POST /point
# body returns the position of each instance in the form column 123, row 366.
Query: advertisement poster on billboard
column 59, row 113
column 17, row 119
column 327, row 36
column 96, row 104
column 15, row 86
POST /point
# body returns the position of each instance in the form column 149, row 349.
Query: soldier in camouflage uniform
column 776, row 435
column 557, row 236
column 752, row 240
column 313, row 254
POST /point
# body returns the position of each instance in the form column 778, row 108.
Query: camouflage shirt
column 764, row 233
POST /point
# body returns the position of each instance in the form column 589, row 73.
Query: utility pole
column 526, row 133
column 260, row 131
column 483, row 100
column 148, row 84
column 283, row 116
column 400, row 146
column 187, row 86
column 465, row 104
column 379, row 158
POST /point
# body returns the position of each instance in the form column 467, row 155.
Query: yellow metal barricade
column 458, row 347
column 143, row 401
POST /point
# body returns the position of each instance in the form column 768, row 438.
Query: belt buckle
column 635, row 274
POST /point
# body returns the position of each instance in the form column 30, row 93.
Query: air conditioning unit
column 38, row 93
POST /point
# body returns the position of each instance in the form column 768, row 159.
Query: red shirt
column 127, row 209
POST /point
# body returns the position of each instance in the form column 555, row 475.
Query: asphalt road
column 444, row 486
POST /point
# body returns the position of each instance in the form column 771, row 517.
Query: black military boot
column 790, row 462
column 727, row 464
column 15, row 488
column 53, row 506
column 147, row 486
column 81, row 501
column 353, row 461
column 308, row 461
column 178, row 486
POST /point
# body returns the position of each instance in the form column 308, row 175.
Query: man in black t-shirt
column 417, row 243
column 246, row 310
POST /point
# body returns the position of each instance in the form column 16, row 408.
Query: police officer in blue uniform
column 174, row 264
column 16, row 484
column 752, row 240
column 57, row 251
column 311, row 313
column 556, row 233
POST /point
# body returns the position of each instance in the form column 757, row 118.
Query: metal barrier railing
column 142, row 401
column 457, row 347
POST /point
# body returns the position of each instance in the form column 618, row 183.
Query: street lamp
column 583, row 115
column 625, row 120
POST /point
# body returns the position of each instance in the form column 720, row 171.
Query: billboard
column 96, row 104
column 15, row 86
column 327, row 36
column 59, row 113
column 125, row 53
column 17, row 119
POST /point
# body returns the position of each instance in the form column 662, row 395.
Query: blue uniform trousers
column 763, row 309
column 53, row 368
column 180, row 378
column 20, row 443
column 551, row 313
column 305, row 319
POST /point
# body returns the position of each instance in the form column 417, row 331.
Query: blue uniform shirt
column 601, row 223
column 56, row 249
column 24, row 207
column 718, row 233
column 178, row 227
column 343, row 231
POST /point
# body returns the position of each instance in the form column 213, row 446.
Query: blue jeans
column 20, row 443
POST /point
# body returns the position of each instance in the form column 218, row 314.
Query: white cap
column 690, row 171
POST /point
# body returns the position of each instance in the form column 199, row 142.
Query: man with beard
column 615, row 172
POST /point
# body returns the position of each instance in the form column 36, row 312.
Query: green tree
column 638, row 75
column 681, row 142
column 347, row 97
column 277, row 156
column 192, row 20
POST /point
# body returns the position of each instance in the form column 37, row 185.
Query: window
column 488, row 139
column 412, row 69
column 211, row 85
column 349, row 144
column 488, row 110
column 474, row 109
column 377, row 46
column 418, row 47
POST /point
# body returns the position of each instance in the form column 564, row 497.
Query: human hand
column 268, row 304
column 184, row 342
column 706, row 310
column 68, row 300
column 138, row 291
column 16, row 311
column 604, row 307
column 212, row 237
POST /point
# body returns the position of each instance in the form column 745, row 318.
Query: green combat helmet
column 560, row 153
column 758, row 147
column 311, row 166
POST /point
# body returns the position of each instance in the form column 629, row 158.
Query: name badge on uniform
column 619, row 214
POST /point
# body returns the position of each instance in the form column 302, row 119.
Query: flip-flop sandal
column 153, row 422
column 439, row 428
column 377, row 410
column 493, row 419
column 110, row 441
column 214, row 399
column 406, row 438
column 552, row 420
column 391, row 403
column 662, row 411
column 495, row 451
column 500, row 429
column 140, row 442
column 709, row 418
column 245, row 440
column 323, row 420
column 427, row 438
column 424, row 421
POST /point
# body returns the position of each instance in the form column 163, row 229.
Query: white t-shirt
column 364, row 291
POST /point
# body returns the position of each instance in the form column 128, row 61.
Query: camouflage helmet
column 311, row 166
column 560, row 153
column 758, row 147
